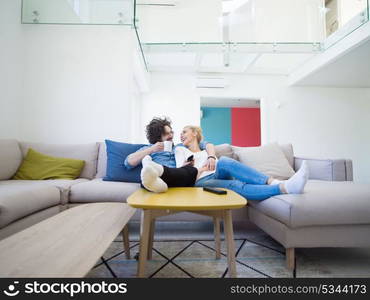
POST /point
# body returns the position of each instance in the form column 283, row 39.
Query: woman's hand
column 211, row 163
column 188, row 163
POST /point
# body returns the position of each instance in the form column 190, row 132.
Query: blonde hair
column 197, row 130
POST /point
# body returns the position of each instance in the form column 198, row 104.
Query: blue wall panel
column 216, row 124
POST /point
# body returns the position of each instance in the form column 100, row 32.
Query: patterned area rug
column 257, row 257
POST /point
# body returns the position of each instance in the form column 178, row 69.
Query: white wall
column 78, row 83
column 65, row 84
column 172, row 95
column 319, row 122
column 11, row 45
column 136, row 114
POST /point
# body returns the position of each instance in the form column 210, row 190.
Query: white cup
column 167, row 146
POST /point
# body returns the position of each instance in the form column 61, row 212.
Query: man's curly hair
column 155, row 129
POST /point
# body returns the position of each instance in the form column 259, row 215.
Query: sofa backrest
column 221, row 150
column 86, row 152
column 10, row 158
column 102, row 160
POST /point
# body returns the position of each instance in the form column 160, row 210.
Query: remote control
column 190, row 158
column 215, row 191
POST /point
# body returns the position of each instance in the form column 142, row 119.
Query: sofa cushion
column 28, row 221
column 102, row 161
column 225, row 150
column 10, row 158
column 116, row 156
column 288, row 152
column 268, row 159
column 38, row 166
column 322, row 203
column 86, row 152
column 63, row 185
column 98, row 190
column 18, row 201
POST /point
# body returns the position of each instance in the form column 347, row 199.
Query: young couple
column 163, row 169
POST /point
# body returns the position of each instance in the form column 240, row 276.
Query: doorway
column 232, row 121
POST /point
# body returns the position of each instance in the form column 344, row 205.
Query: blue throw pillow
column 116, row 155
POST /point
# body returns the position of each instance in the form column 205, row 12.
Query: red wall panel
column 245, row 127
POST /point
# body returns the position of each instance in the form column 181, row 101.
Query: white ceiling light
column 210, row 82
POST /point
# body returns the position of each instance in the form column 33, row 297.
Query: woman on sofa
column 229, row 173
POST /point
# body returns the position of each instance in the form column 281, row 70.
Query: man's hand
column 211, row 163
column 157, row 147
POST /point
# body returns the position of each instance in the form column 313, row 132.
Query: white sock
column 276, row 181
column 151, row 180
column 147, row 161
column 296, row 184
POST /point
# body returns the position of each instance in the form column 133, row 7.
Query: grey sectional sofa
column 333, row 211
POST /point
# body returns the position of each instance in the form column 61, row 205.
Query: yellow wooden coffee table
column 193, row 200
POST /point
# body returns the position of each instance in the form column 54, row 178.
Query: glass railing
column 239, row 35
column 227, row 35
column 248, row 21
column 139, row 50
column 342, row 17
column 236, row 21
column 109, row 12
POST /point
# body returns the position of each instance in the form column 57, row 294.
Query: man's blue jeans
column 240, row 178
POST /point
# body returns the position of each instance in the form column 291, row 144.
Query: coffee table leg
column 229, row 235
column 216, row 223
column 151, row 238
column 126, row 241
column 144, row 241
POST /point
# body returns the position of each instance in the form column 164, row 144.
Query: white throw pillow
column 268, row 159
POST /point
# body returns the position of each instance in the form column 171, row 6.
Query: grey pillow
column 268, row 159
column 225, row 150
column 288, row 152
column 10, row 158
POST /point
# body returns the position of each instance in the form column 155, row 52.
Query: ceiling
column 349, row 70
column 247, row 63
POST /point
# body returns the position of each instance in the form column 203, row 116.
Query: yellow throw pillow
column 38, row 166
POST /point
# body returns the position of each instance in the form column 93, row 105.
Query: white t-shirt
column 200, row 159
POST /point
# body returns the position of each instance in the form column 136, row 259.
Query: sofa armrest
column 327, row 169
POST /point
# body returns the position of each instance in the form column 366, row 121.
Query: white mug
column 167, row 146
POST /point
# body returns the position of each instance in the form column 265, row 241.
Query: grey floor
column 186, row 249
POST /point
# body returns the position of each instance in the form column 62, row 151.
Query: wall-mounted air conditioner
column 211, row 82
column 164, row 3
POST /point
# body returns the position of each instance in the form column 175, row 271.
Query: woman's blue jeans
column 240, row 178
